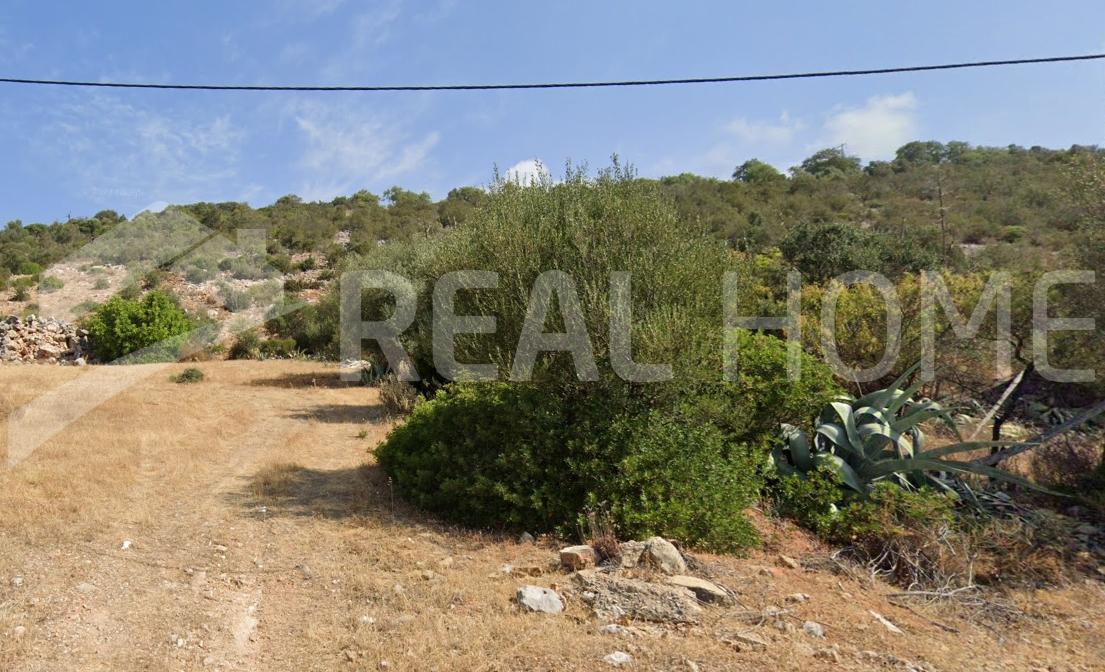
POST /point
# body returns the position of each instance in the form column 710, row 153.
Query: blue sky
column 77, row 151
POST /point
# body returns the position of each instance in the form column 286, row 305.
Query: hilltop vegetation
column 913, row 212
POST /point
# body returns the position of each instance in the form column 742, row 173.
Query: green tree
column 754, row 171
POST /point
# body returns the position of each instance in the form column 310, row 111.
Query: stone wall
column 42, row 340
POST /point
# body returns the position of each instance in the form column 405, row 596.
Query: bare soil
column 263, row 537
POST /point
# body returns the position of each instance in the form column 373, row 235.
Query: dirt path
column 239, row 524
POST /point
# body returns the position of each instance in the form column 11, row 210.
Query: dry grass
column 263, row 537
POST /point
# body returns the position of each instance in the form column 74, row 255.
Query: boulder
column 660, row 554
column 538, row 599
column 578, row 557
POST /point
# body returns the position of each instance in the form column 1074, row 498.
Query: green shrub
column 676, row 480
column 189, row 376
column 247, row 345
column 50, row 283
column 101, row 283
column 487, row 455
column 197, row 274
column 281, row 262
column 22, row 288
column 516, row 456
column 811, row 501
column 680, row 458
column 122, row 326
column 236, row 300
column 277, row 348
column 29, row 268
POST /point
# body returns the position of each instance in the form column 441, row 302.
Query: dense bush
column 656, row 475
column 487, row 455
column 679, row 457
column 515, row 456
column 122, row 326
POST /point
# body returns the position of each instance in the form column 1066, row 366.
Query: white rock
column 536, row 598
column 661, row 554
column 127, row 543
column 17, row 581
column 19, row 631
column 618, row 659
column 814, row 629
column 704, row 590
column 885, row 622
column 629, row 553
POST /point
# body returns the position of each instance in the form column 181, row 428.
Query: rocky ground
column 240, row 523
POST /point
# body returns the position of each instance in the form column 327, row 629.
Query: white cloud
column 122, row 155
column 348, row 149
column 373, row 28
column 755, row 132
column 527, row 172
column 877, row 129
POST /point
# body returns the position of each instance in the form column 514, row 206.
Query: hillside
column 241, row 523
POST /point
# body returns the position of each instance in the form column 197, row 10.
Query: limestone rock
column 542, row 600
column 614, row 598
column 629, row 554
column 578, row 557
column 660, row 554
column 704, row 590
column 618, row 659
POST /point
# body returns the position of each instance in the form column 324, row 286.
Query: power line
column 556, row 85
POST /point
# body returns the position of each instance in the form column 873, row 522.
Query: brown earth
column 263, row 537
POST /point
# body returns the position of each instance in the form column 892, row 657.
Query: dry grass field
column 240, row 523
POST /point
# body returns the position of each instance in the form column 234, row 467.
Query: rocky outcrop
column 42, row 340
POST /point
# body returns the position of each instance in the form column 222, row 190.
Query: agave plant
column 878, row 437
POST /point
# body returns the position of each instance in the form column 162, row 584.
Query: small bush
column 810, row 500
column 101, row 283
column 251, row 345
column 236, row 300
column 398, row 397
column 50, row 283
column 122, row 326
column 277, row 348
column 189, row 376
column 197, row 275
column 22, row 292
column 246, row 346
column 29, row 268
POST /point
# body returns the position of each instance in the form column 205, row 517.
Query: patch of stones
column 42, row 340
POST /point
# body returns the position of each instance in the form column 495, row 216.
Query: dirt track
column 262, row 537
